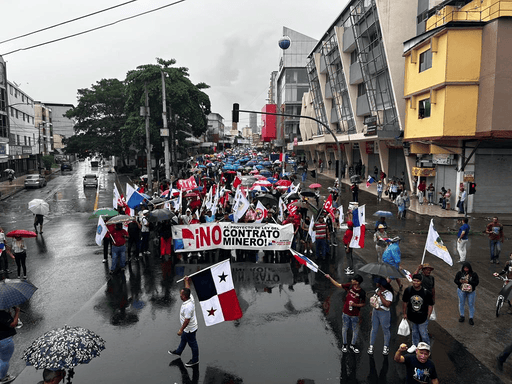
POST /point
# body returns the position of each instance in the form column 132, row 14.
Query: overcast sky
column 229, row 44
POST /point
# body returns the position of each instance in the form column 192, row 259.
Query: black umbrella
column 355, row 179
column 267, row 199
column 381, row 269
column 160, row 215
column 293, row 196
column 308, row 193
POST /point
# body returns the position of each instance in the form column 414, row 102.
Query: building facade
column 356, row 81
column 289, row 84
column 458, row 90
column 4, row 118
column 61, row 124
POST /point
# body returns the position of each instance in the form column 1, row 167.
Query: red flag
column 328, row 206
column 237, row 182
column 282, row 157
column 292, row 208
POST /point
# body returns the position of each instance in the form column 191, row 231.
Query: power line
column 66, row 22
column 94, row 29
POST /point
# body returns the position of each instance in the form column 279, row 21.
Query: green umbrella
column 109, row 212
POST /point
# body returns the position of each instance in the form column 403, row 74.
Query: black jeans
column 20, row 259
column 3, row 261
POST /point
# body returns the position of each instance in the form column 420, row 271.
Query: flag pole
column 425, row 249
column 204, row 269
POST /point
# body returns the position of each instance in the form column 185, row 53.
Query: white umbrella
column 39, row 207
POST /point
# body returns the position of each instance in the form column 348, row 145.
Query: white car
column 91, row 180
column 35, row 181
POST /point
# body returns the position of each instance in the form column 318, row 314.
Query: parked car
column 90, row 180
column 66, row 166
column 35, row 181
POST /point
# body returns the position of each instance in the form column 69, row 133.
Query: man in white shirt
column 188, row 328
column 144, row 231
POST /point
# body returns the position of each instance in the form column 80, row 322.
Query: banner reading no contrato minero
column 226, row 235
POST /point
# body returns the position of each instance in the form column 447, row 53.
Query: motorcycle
column 505, row 293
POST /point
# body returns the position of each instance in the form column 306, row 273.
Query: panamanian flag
column 216, row 293
column 183, row 238
column 304, row 260
column 359, row 220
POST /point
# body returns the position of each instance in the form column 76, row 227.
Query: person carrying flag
column 189, row 326
column 347, row 238
column 355, row 300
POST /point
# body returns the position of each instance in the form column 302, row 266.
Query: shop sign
column 469, row 177
column 370, row 147
column 423, row 172
column 442, row 159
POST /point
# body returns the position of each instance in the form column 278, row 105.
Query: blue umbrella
column 259, row 166
column 15, row 292
column 265, row 172
column 383, row 214
column 201, row 166
column 272, row 180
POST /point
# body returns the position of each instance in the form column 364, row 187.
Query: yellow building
column 457, row 88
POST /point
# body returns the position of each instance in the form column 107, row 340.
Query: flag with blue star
column 216, row 293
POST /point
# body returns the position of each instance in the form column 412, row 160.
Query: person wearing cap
column 119, row 236
column 53, row 377
column 419, row 368
column 380, row 188
column 427, row 280
column 381, row 315
column 381, row 241
column 355, row 300
column 417, row 306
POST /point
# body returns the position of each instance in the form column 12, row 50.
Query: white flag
column 435, row 245
column 311, row 232
column 101, row 231
column 342, row 216
column 261, row 212
column 282, row 208
column 117, row 197
column 240, row 207
column 216, row 200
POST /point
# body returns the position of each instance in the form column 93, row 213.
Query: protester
column 347, row 238
column 134, row 242
column 503, row 356
column 53, row 377
column 38, row 220
column 119, row 237
column 355, row 300
column 189, row 326
column 462, row 240
column 466, row 281
column 322, row 238
column 496, row 237
column 4, row 265
column 355, row 192
column 419, row 368
column 8, row 325
column 381, row 315
column 144, row 231
column 381, row 241
column 417, row 305
column 427, row 280
column 379, row 190
column 19, row 252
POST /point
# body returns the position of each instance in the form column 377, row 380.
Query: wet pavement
column 291, row 328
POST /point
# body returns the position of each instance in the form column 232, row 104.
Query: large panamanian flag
column 216, row 293
column 359, row 220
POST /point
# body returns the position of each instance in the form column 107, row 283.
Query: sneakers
column 191, row 363
column 471, row 322
column 174, row 353
column 461, row 319
column 354, row 349
column 411, row 349
column 24, row 277
column 104, row 261
column 36, row 232
column 7, row 379
column 385, row 351
column 370, row 350
column 348, row 271
column 344, row 349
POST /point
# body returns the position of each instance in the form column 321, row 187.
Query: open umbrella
column 14, row 292
column 381, row 269
column 383, row 214
column 307, row 193
column 315, row 185
column 39, row 207
column 283, row 183
column 263, row 183
column 64, row 348
column 259, row 188
column 21, row 233
column 160, row 215
column 121, row 219
column 266, row 199
column 9, row 170
column 109, row 212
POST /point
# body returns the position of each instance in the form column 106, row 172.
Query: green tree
column 187, row 105
column 99, row 118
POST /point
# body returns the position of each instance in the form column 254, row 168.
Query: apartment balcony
column 356, row 76
column 363, row 106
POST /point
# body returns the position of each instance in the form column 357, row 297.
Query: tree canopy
column 108, row 117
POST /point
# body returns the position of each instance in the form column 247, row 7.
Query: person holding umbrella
column 53, row 377
column 8, row 325
column 119, row 236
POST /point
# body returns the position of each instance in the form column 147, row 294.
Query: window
column 12, row 112
column 353, row 57
column 425, row 60
column 424, row 108
column 361, row 90
column 17, row 114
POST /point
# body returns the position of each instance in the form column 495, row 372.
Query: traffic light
column 235, row 116
column 472, row 188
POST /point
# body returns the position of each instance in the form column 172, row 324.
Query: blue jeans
column 431, row 197
column 118, row 254
column 190, row 338
column 420, row 330
column 382, row 318
column 470, row 297
column 351, row 322
column 6, row 351
column 321, row 248
column 304, row 175
column 495, row 249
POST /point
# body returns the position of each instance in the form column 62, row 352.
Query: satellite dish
column 285, row 42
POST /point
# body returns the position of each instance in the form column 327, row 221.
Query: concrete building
column 43, row 121
column 458, row 89
column 289, row 84
column 356, row 81
column 62, row 125
column 4, row 119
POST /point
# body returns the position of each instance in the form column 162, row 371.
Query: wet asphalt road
column 291, row 328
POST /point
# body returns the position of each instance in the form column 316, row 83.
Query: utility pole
column 165, row 131
column 174, row 158
column 148, row 142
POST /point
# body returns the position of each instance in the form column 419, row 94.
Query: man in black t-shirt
column 419, row 368
column 417, row 305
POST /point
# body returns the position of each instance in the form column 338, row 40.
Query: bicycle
column 504, row 294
